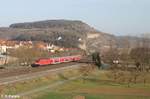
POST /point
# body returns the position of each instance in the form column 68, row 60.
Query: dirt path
column 117, row 91
column 47, row 87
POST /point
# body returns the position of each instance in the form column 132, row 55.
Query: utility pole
column 6, row 57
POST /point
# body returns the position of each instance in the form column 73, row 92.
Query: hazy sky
column 112, row 16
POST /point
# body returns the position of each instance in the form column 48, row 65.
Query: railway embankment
column 26, row 84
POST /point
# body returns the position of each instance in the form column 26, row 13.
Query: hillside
column 73, row 33
column 145, row 35
column 132, row 41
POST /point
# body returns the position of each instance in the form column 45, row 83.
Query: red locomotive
column 56, row 60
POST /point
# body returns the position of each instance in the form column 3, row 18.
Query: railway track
column 36, row 72
column 25, row 70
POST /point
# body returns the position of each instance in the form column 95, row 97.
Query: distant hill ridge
column 65, row 24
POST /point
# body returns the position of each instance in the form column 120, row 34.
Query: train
column 55, row 60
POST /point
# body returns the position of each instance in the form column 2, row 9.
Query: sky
column 120, row 17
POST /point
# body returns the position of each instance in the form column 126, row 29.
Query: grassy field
column 97, row 86
column 25, row 86
column 94, row 85
column 90, row 96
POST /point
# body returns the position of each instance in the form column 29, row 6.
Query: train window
column 37, row 60
column 66, row 59
column 56, row 60
column 51, row 60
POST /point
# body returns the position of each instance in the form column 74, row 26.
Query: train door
column 56, row 60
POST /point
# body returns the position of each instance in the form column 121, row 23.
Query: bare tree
column 27, row 55
column 1, row 89
column 111, row 56
column 125, row 59
column 141, row 57
column 85, row 71
column 135, row 74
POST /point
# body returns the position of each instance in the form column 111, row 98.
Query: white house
column 3, row 49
